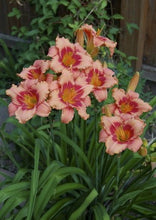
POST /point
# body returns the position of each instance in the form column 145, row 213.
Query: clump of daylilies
column 76, row 75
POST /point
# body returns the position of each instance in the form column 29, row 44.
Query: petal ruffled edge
column 67, row 115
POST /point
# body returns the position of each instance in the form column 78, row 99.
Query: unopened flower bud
column 145, row 142
column 105, row 65
column 80, row 37
column 133, row 82
column 153, row 145
column 107, row 111
column 142, row 151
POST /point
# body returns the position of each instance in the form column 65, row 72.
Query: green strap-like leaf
column 34, row 181
column 75, row 147
column 78, row 212
column 11, row 204
column 68, row 187
column 56, row 208
column 100, row 212
column 13, row 190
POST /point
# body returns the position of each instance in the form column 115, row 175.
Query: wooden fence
column 141, row 43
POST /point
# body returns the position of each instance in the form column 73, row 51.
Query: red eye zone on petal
column 36, row 74
column 121, row 133
column 95, row 78
column 127, row 106
column 28, row 99
column 69, row 57
column 71, row 94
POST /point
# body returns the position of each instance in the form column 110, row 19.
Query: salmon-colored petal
column 86, row 61
column 62, row 43
column 111, row 108
column 118, row 94
column 12, row 92
column 87, row 90
column 43, row 64
column 56, row 65
column 42, row 90
column 113, row 147
column 12, row 109
column 143, row 106
column 67, row 76
column 67, row 115
column 100, row 94
column 98, row 65
column 124, row 116
column 88, row 29
column 137, row 125
column 104, row 41
column 135, row 144
column 103, row 136
column 87, row 101
column 81, row 80
column 24, row 115
column 49, row 78
column 132, row 95
column 110, row 82
column 53, row 85
column 52, row 51
column 25, row 71
column 108, row 71
column 82, row 112
column 55, row 101
column 108, row 122
column 43, row 109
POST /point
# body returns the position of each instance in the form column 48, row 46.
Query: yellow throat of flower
column 122, row 134
column 69, row 95
column 30, row 100
column 95, row 80
column 68, row 59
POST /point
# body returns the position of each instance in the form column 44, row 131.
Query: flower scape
column 70, row 80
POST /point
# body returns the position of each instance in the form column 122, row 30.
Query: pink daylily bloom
column 95, row 40
column 104, row 41
column 101, row 79
column 118, row 134
column 71, row 94
column 37, row 71
column 68, row 56
column 129, row 104
column 29, row 99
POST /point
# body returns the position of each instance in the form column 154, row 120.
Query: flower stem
column 52, row 138
column 96, row 153
column 118, row 170
column 75, row 140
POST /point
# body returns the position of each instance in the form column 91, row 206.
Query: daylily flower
column 29, row 99
column 129, row 104
column 37, row 71
column 68, row 56
column 118, row 134
column 101, row 79
column 104, row 41
column 94, row 40
column 71, row 94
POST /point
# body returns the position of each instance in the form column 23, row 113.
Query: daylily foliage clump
column 75, row 79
